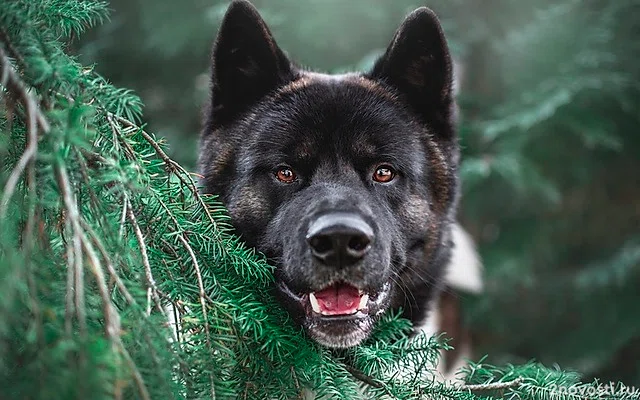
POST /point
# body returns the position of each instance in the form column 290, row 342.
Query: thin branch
column 296, row 382
column 172, row 166
column 93, row 157
column 111, row 316
column 73, row 218
column 145, row 258
column 361, row 376
column 137, row 377
column 123, row 217
column 117, row 137
column 203, row 304
column 35, row 118
column 28, row 249
column 494, row 386
column 4, row 38
column 84, row 171
column 69, row 308
column 110, row 268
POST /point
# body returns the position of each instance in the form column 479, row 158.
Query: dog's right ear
column 247, row 64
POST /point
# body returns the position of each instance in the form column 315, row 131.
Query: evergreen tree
column 102, row 231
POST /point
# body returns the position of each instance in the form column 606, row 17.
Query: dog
column 347, row 183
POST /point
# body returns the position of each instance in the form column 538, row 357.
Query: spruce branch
column 112, row 319
column 173, row 167
column 13, row 53
column 202, row 295
column 35, row 120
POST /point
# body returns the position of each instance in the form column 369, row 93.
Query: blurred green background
column 550, row 104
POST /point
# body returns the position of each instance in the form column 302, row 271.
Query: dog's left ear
column 247, row 63
column 417, row 63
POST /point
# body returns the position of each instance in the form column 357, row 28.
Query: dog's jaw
column 336, row 331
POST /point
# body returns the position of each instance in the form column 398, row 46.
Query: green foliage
column 549, row 120
column 118, row 280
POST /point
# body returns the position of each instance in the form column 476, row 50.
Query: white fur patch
column 464, row 271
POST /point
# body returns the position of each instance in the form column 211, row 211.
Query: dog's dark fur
column 333, row 132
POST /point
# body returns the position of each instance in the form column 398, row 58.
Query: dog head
column 347, row 183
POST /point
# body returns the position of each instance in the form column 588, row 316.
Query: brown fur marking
column 251, row 204
column 416, row 209
column 293, row 86
column 439, row 176
column 308, row 78
column 372, row 86
column 224, row 154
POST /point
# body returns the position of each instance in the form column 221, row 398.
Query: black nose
column 339, row 239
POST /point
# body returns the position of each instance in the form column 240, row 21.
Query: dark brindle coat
column 348, row 182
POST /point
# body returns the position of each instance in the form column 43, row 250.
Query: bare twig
column 28, row 249
column 92, row 157
column 73, row 218
column 361, row 376
column 117, row 137
column 69, row 309
column 110, row 268
column 111, row 316
column 123, row 217
column 297, row 383
column 137, row 377
column 84, row 170
column 112, row 319
column 494, row 386
column 151, row 283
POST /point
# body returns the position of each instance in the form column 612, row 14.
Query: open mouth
column 339, row 315
column 338, row 299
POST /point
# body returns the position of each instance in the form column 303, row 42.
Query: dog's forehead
column 322, row 118
column 343, row 110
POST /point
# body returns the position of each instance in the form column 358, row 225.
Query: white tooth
column 314, row 303
column 363, row 302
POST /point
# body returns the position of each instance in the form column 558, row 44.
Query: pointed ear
column 247, row 64
column 418, row 65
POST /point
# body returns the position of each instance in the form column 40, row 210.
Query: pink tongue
column 338, row 299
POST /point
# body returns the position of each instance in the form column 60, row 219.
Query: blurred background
column 550, row 101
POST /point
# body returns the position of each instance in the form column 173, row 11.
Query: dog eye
column 384, row 173
column 286, row 175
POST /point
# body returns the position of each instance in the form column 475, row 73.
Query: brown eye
column 286, row 175
column 384, row 174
